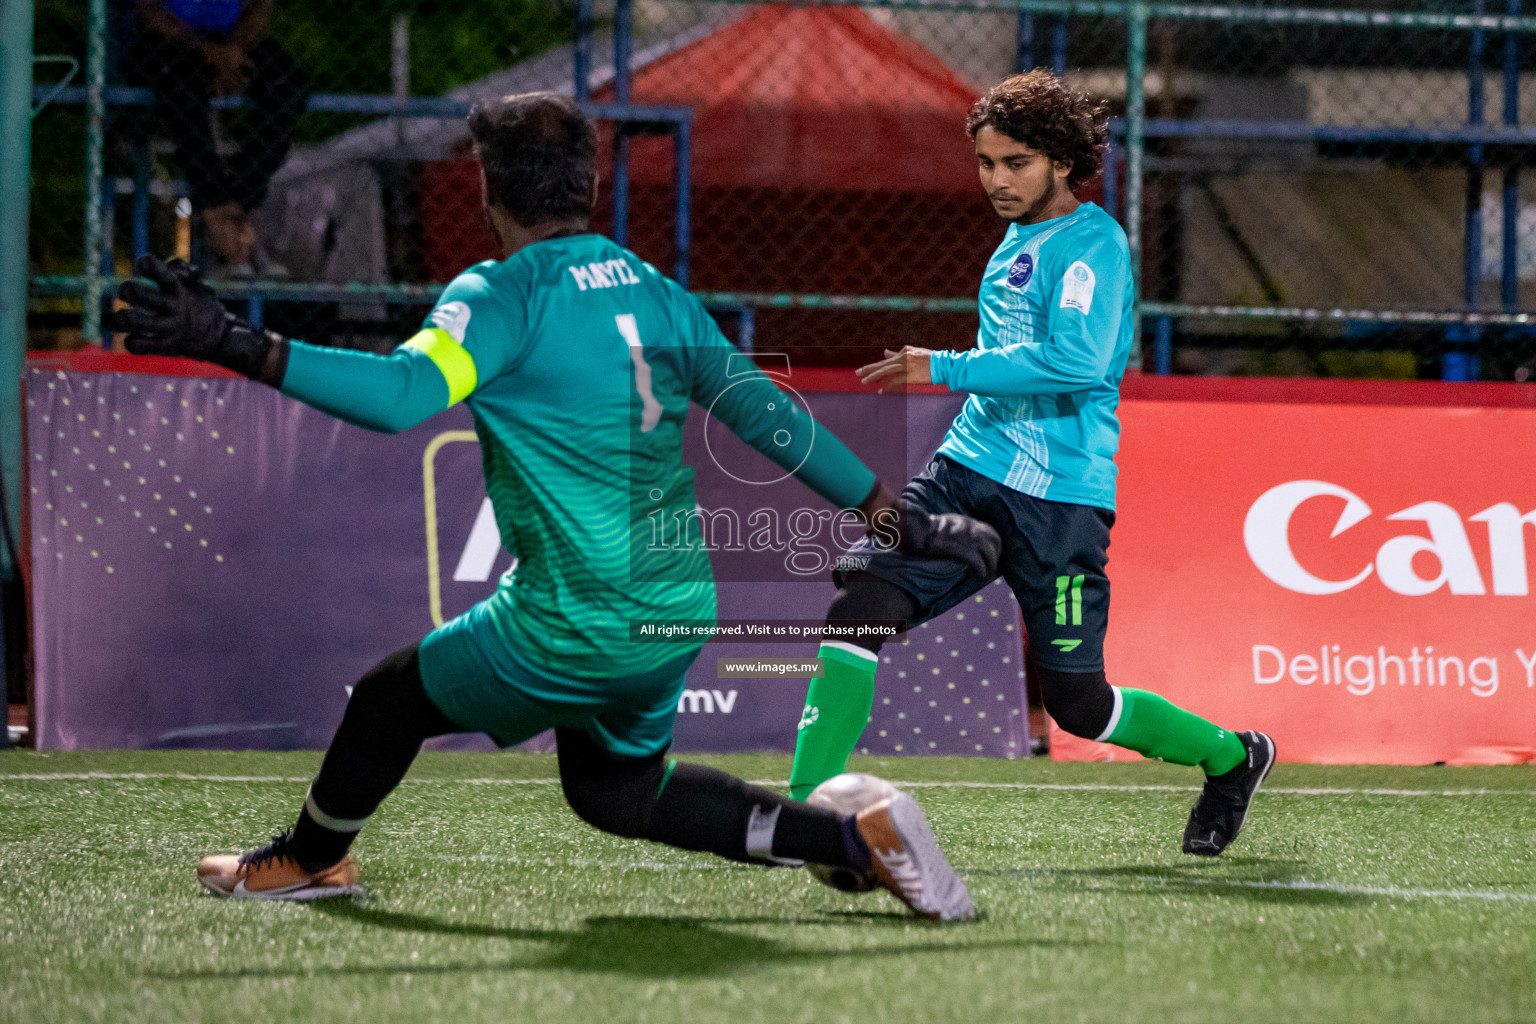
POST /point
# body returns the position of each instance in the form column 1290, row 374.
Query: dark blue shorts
column 1054, row 559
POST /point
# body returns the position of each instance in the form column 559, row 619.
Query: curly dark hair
column 539, row 153
column 1041, row 111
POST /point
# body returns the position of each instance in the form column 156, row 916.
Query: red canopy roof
column 811, row 97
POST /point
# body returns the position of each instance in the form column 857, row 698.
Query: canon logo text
column 1266, row 536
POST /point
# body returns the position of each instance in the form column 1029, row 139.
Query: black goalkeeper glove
column 181, row 316
column 948, row 536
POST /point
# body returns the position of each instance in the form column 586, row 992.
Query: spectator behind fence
column 187, row 52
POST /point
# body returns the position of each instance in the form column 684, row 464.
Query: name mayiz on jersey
column 607, row 274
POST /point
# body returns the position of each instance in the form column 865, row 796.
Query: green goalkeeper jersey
column 579, row 361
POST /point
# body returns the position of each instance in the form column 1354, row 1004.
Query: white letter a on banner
column 480, row 551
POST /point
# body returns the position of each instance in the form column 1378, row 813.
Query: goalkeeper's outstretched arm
column 385, row 393
column 181, row 316
column 755, row 410
column 725, row 382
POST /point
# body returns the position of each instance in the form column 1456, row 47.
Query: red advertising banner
column 1354, row 580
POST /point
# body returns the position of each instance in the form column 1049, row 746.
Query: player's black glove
column 181, row 316
column 949, row 536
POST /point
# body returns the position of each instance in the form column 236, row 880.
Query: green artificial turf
column 489, row 901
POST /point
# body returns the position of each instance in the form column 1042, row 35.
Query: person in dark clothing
column 188, row 52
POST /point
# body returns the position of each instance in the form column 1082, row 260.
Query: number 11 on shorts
column 1074, row 584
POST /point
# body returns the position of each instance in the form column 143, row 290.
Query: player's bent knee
column 393, row 693
column 602, row 810
column 1080, row 702
column 613, row 794
column 389, row 692
column 866, row 598
column 398, row 675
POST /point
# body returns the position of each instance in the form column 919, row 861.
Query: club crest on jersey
column 1022, row 270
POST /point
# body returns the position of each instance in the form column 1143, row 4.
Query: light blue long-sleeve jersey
column 1044, row 378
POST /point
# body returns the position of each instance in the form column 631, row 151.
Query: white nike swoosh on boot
column 903, row 872
column 280, row 890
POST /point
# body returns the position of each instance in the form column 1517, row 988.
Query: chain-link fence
column 1308, row 191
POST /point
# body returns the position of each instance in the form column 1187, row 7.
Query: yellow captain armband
column 451, row 358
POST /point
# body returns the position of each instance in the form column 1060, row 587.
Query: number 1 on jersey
column 651, row 409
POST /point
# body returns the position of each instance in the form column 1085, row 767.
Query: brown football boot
column 271, row 873
column 907, row 861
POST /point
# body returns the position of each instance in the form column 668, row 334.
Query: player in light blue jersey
column 1033, row 454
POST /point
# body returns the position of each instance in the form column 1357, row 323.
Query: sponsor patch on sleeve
column 1077, row 287
column 453, row 317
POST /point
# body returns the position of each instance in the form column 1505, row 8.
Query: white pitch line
column 145, row 777
column 186, row 777
column 1286, row 790
column 1302, row 885
column 1021, row 786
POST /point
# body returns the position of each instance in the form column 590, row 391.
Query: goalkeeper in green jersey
column 579, row 362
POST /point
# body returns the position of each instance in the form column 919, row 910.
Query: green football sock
column 1153, row 727
column 837, row 709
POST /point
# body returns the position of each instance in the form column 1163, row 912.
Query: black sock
column 854, row 846
column 387, row 718
column 316, row 847
column 815, row 835
column 701, row 808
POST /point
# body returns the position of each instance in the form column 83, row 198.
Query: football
column 848, row 793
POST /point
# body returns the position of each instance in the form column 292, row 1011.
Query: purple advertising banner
column 214, row 565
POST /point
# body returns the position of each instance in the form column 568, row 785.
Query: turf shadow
column 642, row 946
column 1271, row 870
column 1268, row 885
column 1250, row 869
column 1274, row 894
